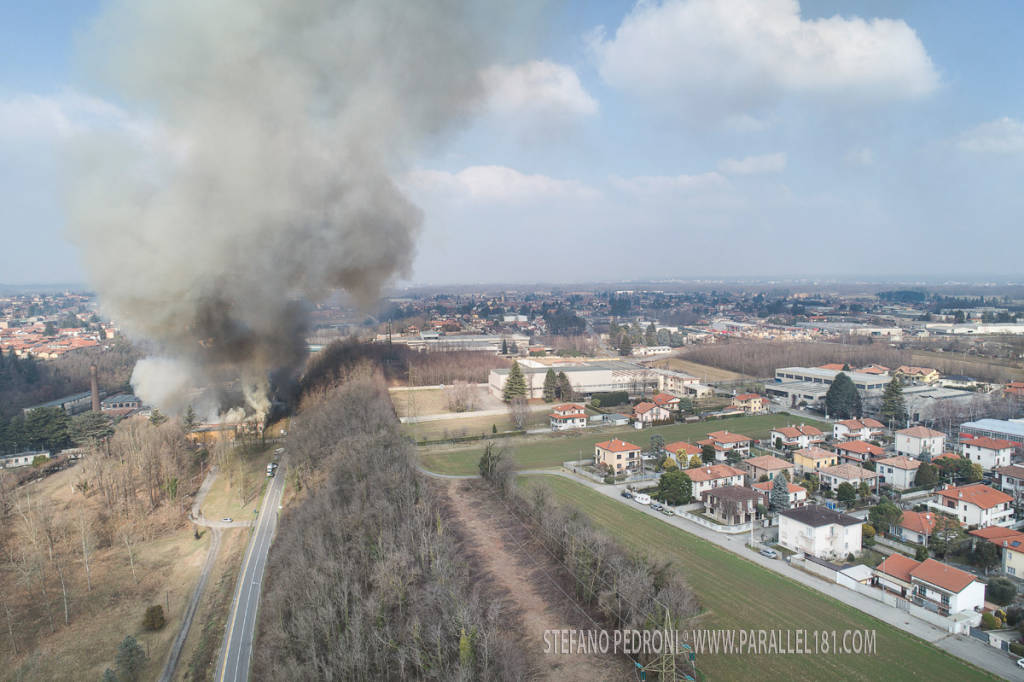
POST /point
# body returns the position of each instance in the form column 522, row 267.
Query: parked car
column 667, row 511
column 656, row 506
column 770, row 553
column 227, row 519
column 628, row 495
column 1020, row 662
column 641, row 498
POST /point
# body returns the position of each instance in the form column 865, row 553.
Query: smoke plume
column 264, row 179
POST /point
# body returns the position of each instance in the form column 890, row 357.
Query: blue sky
column 678, row 141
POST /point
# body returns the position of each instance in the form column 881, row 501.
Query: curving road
column 236, row 653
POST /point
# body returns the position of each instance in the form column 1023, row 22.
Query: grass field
column 706, row 373
column 737, row 593
column 550, row 450
column 224, row 497
column 470, row 426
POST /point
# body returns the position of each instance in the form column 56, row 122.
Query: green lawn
column 550, row 450
column 470, row 425
column 737, row 593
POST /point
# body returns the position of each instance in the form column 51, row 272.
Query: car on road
column 667, row 511
column 770, row 553
column 641, row 498
column 227, row 519
column 628, row 495
column 1020, row 662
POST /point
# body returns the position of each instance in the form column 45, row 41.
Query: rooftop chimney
column 95, row 388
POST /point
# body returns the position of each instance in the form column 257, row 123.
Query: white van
column 642, row 498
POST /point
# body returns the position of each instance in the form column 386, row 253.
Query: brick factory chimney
column 95, row 389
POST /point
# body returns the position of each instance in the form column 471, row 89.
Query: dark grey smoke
column 264, row 177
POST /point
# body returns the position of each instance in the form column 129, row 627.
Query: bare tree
column 519, row 411
column 87, row 546
column 461, row 396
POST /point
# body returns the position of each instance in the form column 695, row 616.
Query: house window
column 945, row 600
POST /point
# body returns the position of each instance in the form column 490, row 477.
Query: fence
column 898, row 546
column 717, row 527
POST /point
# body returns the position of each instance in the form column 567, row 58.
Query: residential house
column 766, row 466
column 990, row 453
column 918, row 375
column 751, row 403
column 898, row 472
column 801, row 436
column 833, row 477
column 797, row 493
column 893, row 574
column 666, row 400
column 918, row 441
column 682, row 451
column 1011, row 545
column 974, row 505
column 618, row 455
column 731, row 504
column 568, row 416
column 857, row 429
column 1014, row 389
column 859, row 452
column 713, row 476
column 649, row 413
column 723, row 442
column 1010, row 480
column 874, row 369
column 820, row 532
column 946, row 590
column 915, row 527
column 810, row 460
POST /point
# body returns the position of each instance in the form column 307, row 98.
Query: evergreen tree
column 130, row 659
column 927, row 475
column 189, row 421
column 885, row 516
column 651, row 335
column 47, row 428
column 564, row 387
column 156, row 418
column 515, row 385
column 625, row 346
column 513, row 348
column 707, row 453
column 894, row 408
column 675, row 487
column 550, row 386
column 658, row 447
column 846, row 493
column 504, row 346
column 842, row 400
column 779, row 498
column 91, row 427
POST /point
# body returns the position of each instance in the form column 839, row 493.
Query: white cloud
column 766, row 163
column 29, row 116
column 721, row 57
column 536, row 88
column 1001, row 136
column 499, row 184
column 671, row 184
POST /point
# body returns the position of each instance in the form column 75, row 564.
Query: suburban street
column 966, row 648
column 236, row 652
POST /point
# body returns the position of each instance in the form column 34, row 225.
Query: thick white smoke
column 266, row 180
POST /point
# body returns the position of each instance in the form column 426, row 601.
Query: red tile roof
column 766, row 486
column 797, row 431
column 920, row 432
column 1012, row 471
column 664, row 399
column 1003, row 537
column 616, row 445
column 942, row 575
column 849, row 472
column 682, row 446
column 641, row 408
column 989, row 443
column 713, row 472
column 814, row 452
column 726, row 437
column 901, row 462
column 742, row 397
column 977, row 494
column 861, row 448
column 898, row 566
column 919, row 522
column 834, row 366
column 768, row 463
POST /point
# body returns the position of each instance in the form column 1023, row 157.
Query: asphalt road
column 236, row 652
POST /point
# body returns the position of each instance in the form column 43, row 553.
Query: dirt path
column 530, row 579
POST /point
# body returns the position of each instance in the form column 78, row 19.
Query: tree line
column 626, row 589
column 365, row 579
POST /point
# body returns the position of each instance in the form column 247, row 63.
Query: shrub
column 920, row 554
column 1017, row 649
column 609, row 479
column 988, row 621
column 1000, row 591
column 154, row 618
